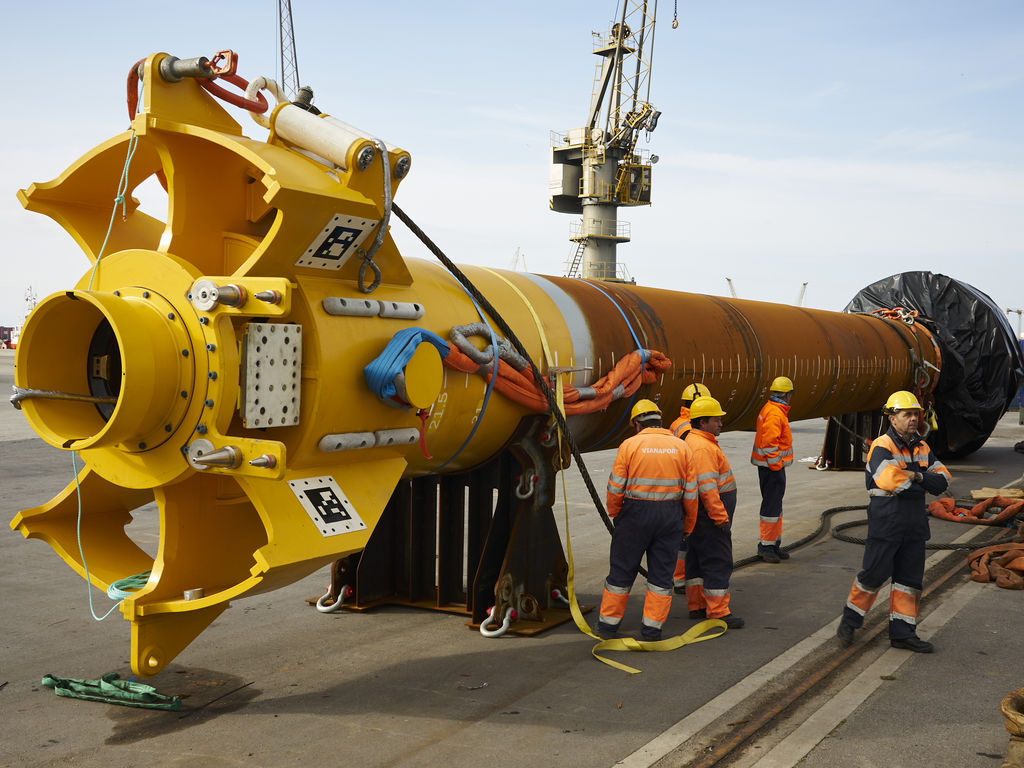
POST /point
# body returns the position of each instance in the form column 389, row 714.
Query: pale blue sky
column 832, row 142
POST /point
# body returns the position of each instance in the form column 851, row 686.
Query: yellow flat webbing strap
column 536, row 319
column 695, row 634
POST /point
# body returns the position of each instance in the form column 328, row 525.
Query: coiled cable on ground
column 822, row 523
column 837, row 533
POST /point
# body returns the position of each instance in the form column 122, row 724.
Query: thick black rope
column 822, row 523
column 930, row 545
column 837, row 534
column 514, row 340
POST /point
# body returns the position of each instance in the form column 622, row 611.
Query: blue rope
column 380, row 373
column 643, row 364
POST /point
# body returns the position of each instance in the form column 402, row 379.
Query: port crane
column 597, row 168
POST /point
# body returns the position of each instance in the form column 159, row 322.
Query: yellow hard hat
column 705, row 406
column 902, row 401
column 644, row 408
column 781, row 384
column 694, row 391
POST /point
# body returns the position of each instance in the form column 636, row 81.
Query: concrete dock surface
column 275, row 683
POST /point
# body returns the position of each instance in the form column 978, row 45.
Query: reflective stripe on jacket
column 897, row 506
column 681, row 426
column 654, row 465
column 716, row 486
column 892, row 463
column 773, row 443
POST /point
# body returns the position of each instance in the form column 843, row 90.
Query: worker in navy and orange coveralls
column 709, row 551
column 900, row 469
column 773, row 450
column 681, row 428
column 652, row 497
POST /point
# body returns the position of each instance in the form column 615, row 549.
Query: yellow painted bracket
column 222, row 538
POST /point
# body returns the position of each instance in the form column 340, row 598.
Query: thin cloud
column 907, row 140
column 829, row 90
column 981, row 181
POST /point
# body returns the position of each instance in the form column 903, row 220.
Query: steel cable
column 518, row 345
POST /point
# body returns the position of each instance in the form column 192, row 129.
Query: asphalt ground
column 274, row 683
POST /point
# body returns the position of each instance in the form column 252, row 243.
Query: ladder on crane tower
column 577, row 258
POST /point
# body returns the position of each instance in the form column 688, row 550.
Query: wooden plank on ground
column 1006, row 493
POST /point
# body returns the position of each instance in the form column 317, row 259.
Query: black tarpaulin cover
column 982, row 367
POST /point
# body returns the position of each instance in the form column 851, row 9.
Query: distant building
column 8, row 336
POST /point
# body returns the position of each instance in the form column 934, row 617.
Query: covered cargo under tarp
column 982, row 364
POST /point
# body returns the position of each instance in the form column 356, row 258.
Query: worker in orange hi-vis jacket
column 709, row 551
column 900, row 469
column 773, row 450
column 681, row 428
column 652, row 497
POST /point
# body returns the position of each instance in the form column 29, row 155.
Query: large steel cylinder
column 215, row 362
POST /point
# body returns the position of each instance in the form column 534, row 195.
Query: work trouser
column 679, row 575
column 773, row 488
column 902, row 560
column 654, row 528
column 708, row 568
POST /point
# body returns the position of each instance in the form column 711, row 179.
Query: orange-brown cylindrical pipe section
column 839, row 363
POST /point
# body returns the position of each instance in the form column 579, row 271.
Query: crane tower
column 597, row 168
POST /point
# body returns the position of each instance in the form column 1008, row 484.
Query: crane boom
column 289, row 61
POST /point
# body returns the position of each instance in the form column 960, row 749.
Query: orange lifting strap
column 629, row 373
column 1000, row 563
column 946, row 509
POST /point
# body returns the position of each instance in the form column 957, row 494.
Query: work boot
column 732, row 622
column 770, row 556
column 912, row 643
column 845, row 634
column 606, row 631
column 783, row 555
column 650, row 637
column 700, row 613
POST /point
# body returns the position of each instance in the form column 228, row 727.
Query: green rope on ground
column 109, row 689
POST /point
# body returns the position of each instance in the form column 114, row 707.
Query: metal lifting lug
column 174, row 70
column 206, row 295
column 266, row 461
column 268, row 297
column 365, row 158
column 203, row 455
column 344, row 594
column 510, row 616
column 559, row 597
column 402, row 167
column 525, row 488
